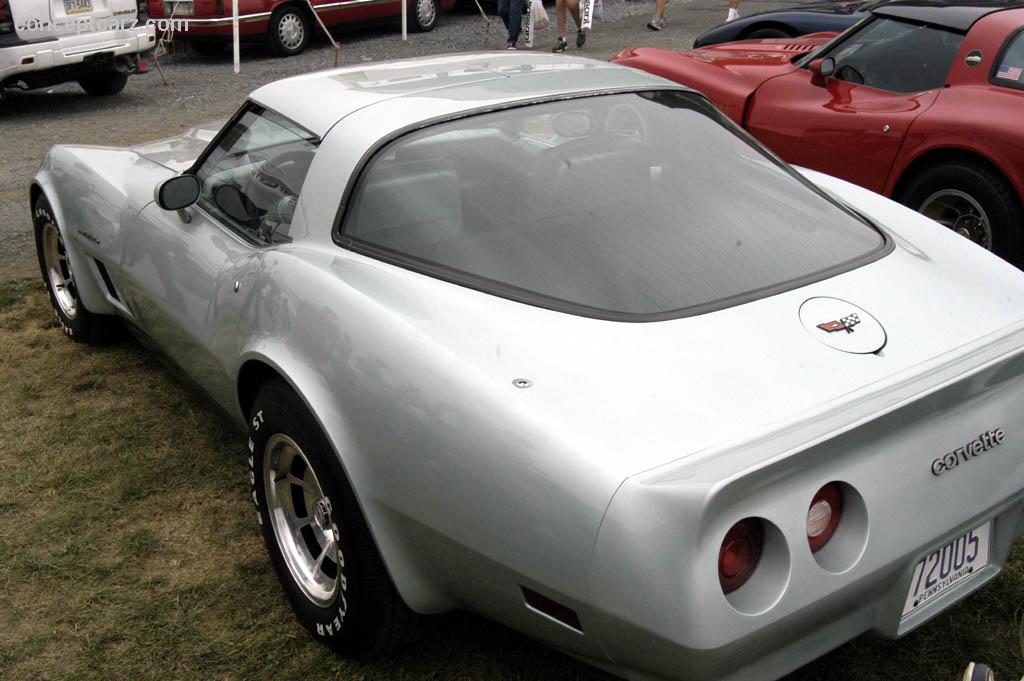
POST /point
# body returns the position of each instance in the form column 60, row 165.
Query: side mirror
column 177, row 193
column 822, row 70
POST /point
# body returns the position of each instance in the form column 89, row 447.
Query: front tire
column 319, row 543
column 423, row 15
column 290, row 31
column 55, row 265
column 974, row 200
column 104, row 84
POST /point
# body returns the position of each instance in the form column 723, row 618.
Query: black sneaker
column 581, row 39
column 560, row 46
column 510, row 45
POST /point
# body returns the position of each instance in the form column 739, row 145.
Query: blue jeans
column 511, row 12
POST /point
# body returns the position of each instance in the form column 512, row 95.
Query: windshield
column 621, row 206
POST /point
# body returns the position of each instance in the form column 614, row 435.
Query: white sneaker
column 734, row 14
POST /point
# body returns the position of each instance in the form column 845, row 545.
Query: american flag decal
column 1009, row 72
column 845, row 324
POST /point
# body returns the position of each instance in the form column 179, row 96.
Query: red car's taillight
column 6, row 20
column 823, row 515
column 740, row 553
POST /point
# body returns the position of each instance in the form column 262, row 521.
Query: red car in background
column 287, row 25
column 922, row 102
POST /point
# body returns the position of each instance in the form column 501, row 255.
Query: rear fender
column 729, row 91
column 420, row 592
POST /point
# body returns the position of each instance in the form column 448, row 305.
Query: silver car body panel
column 609, row 483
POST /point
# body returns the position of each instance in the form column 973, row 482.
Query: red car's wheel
column 974, row 200
column 290, row 30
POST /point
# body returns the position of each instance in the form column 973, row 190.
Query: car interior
column 603, row 204
column 898, row 56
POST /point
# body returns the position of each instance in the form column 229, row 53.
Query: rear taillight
column 740, row 553
column 823, row 515
column 6, row 20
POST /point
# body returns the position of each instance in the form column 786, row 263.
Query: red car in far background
column 287, row 25
column 921, row 102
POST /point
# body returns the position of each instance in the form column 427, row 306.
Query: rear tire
column 345, row 598
column 768, row 32
column 290, row 30
column 55, row 265
column 104, row 84
column 973, row 199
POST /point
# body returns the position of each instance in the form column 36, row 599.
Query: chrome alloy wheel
column 300, row 514
column 960, row 212
column 58, row 270
column 291, row 31
column 426, row 12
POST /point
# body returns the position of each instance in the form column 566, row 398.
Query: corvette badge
column 845, row 324
column 826, row 319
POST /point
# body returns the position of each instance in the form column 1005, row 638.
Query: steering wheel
column 274, row 174
column 625, row 121
column 850, row 74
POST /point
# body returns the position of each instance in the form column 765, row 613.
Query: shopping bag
column 539, row 15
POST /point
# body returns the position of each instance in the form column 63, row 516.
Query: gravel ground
column 204, row 89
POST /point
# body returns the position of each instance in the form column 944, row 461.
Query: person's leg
column 560, row 24
column 734, row 10
column 658, row 22
column 515, row 19
column 574, row 9
column 503, row 12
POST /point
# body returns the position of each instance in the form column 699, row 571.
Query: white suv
column 94, row 42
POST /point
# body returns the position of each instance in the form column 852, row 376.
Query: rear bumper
column 654, row 596
column 71, row 50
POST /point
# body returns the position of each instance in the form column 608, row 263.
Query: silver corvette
column 551, row 340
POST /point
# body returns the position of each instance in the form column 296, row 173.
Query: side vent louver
column 552, row 609
column 107, row 281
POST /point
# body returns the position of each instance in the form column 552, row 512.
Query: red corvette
column 288, row 25
column 922, row 102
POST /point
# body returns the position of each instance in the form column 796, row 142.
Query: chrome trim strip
column 258, row 16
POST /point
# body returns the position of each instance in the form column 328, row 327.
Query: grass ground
column 129, row 550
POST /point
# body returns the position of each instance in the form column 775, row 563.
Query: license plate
column 945, row 567
column 77, row 6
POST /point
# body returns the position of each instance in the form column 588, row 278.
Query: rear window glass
column 627, row 206
column 1010, row 68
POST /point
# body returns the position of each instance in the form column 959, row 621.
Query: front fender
column 97, row 194
column 86, row 276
